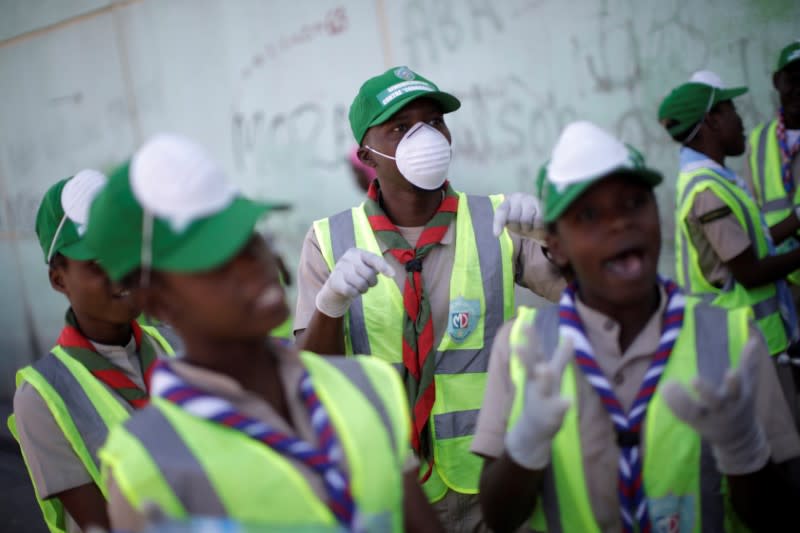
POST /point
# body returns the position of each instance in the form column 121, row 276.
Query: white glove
column 520, row 212
column 354, row 273
column 725, row 416
column 543, row 409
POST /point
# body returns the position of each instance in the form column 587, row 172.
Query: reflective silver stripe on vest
column 343, row 237
column 355, row 373
column 712, row 362
column 546, row 326
column 777, row 205
column 183, row 472
column 765, row 308
column 761, row 160
column 87, row 420
column 172, row 338
column 456, row 424
column 491, row 262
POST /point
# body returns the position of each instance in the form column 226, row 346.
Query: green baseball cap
column 789, row 54
column 63, row 214
column 688, row 103
column 170, row 208
column 584, row 155
column 382, row 96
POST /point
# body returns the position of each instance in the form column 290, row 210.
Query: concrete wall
column 266, row 85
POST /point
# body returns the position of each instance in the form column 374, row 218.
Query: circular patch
column 404, row 73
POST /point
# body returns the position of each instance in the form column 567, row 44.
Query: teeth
column 270, row 296
column 628, row 266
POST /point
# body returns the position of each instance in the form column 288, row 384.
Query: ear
column 57, row 280
column 366, row 157
column 777, row 78
column 556, row 250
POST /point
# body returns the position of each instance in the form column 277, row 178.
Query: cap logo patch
column 386, row 96
column 404, row 73
column 794, row 55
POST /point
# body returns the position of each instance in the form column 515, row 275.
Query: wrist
column 330, row 303
column 743, row 455
column 527, row 449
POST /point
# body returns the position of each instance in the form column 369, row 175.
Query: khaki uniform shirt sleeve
column 725, row 235
column 312, row 273
column 53, row 464
column 533, row 270
column 122, row 515
column 489, row 440
column 771, row 408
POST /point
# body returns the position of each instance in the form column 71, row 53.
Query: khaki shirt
column 531, row 269
column 625, row 372
column 717, row 241
column 52, row 462
column 290, row 369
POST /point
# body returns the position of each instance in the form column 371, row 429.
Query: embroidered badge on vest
column 672, row 513
column 464, row 317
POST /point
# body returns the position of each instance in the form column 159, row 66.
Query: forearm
column 324, row 335
column 763, row 500
column 757, row 272
column 86, row 505
column 418, row 515
column 508, row 493
column 784, row 229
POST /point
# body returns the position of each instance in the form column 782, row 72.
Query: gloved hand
column 354, row 273
column 522, row 215
column 543, row 409
column 725, row 416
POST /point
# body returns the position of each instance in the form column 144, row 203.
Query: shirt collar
column 691, row 159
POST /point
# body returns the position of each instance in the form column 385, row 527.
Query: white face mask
column 422, row 156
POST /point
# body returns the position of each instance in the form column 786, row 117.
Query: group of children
column 631, row 404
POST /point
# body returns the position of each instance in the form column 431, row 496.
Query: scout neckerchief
column 323, row 460
column 72, row 341
column 628, row 426
column 418, row 335
column 787, row 154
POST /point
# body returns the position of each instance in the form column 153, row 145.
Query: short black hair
column 678, row 137
column 57, row 261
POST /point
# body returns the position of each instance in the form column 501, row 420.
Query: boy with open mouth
column 587, row 422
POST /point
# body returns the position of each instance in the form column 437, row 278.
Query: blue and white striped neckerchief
column 691, row 160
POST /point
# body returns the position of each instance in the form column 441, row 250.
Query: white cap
column 585, row 151
column 174, row 179
column 708, row 77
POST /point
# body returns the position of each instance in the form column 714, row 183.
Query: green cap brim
column 723, row 95
column 78, row 251
column 448, row 102
column 573, row 192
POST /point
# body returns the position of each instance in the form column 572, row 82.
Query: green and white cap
column 584, row 155
column 171, row 208
column 789, row 54
column 687, row 104
column 63, row 214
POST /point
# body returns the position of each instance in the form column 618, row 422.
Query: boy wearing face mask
column 421, row 276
